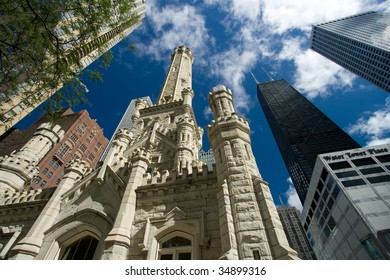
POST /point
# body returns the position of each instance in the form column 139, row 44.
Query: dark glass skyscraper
column 359, row 43
column 301, row 131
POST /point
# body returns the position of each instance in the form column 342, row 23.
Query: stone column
column 117, row 242
column 30, row 245
column 185, row 144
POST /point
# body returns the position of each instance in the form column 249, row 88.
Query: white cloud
column 284, row 15
column 231, row 66
column 176, row 25
column 375, row 126
column 207, row 113
column 240, row 9
column 292, row 196
column 315, row 75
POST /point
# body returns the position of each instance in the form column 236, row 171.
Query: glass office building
column 359, row 43
column 301, row 131
column 126, row 122
column 347, row 209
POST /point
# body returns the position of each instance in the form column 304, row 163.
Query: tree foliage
column 42, row 43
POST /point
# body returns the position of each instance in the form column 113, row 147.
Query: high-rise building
column 296, row 236
column 125, row 122
column 359, row 43
column 207, row 157
column 301, row 131
column 83, row 139
column 16, row 104
column 152, row 198
column 347, row 210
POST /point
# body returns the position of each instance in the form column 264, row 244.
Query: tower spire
column 179, row 76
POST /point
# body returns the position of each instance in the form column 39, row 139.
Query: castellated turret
column 250, row 226
column 20, row 167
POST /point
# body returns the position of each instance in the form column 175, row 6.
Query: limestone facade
column 152, row 198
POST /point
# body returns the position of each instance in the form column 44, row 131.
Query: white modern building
column 346, row 213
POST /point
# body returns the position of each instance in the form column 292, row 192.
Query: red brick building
column 83, row 139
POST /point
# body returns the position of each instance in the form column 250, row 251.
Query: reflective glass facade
column 360, row 44
column 301, row 131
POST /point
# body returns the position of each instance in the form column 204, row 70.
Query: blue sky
column 230, row 38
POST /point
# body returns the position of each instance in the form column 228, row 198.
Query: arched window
column 176, row 247
column 82, row 249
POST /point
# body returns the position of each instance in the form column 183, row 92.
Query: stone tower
column 152, row 198
column 20, row 167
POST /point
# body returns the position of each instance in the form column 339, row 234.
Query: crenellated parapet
column 221, row 101
column 181, row 50
column 173, row 176
column 141, row 154
column 23, row 196
column 77, row 169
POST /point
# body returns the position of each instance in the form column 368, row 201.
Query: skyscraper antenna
column 280, row 199
column 269, row 76
column 254, row 77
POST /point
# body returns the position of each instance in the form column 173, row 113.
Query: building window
column 37, row 180
column 74, row 138
column 352, row 183
column 58, row 181
column 345, row 174
column 51, row 162
column 176, row 248
column 372, row 249
column 83, row 148
column 44, row 171
column 50, row 175
column 82, row 249
column 84, row 125
column 384, row 159
column 43, row 184
column 379, row 179
column 372, row 170
column 339, row 165
column 324, row 174
column 63, row 150
column 363, row 161
column 55, row 165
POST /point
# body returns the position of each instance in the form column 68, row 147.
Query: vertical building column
column 19, row 168
column 30, row 245
column 118, row 240
column 185, row 142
